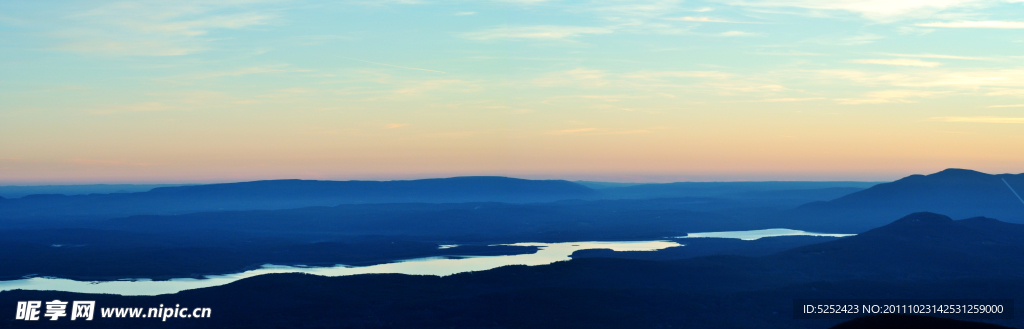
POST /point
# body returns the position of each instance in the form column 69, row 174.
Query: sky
column 607, row 90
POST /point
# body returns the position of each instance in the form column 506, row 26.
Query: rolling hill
column 958, row 193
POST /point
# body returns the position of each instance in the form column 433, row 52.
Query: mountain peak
column 981, row 219
column 958, row 173
column 958, row 193
column 924, row 218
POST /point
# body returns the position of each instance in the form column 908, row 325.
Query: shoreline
column 450, row 252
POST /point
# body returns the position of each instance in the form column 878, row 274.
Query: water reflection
column 757, row 234
column 547, row 254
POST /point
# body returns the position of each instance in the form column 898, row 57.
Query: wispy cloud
column 722, row 83
column 606, row 98
column 137, row 107
column 1005, row 92
column 979, row 119
column 888, row 96
column 1011, row 105
column 961, row 79
column 237, row 72
column 633, row 9
column 571, row 131
column 747, row 87
column 95, row 162
column 196, row 100
column 401, row 67
column 856, row 40
column 636, row 17
column 613, row 16
column 595, row 131
column 155, row 28
column 976, row 24
column 679, row 74
column 148, row 107
column 786, row 53
column 629, row 132
column 314, row 40
column 395, row 125
column 737, row 34
column 418, row 87
column 465, row 13
column 524, row 1
column 385, row 2
column 536, row 32
column 899, row 62
column 913, row 30
column 940, row 56
column 580, row 76
column 700, row 19
column 890, row 10
column 779, row 100
column 705, row 19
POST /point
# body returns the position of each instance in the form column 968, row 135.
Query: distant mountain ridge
column 948, row 185
column 17, row 191
column 281, row 194
column 294, row 193
column 829, row 189
column 959, row 193
column 467, row 189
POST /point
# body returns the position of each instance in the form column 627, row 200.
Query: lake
column 757, row 234
column 443, row 265
column 548, row 253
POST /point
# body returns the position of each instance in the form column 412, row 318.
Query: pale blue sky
column 169, row 91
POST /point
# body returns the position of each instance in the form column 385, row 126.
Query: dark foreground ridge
column 920, row 246
column 702, row 292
